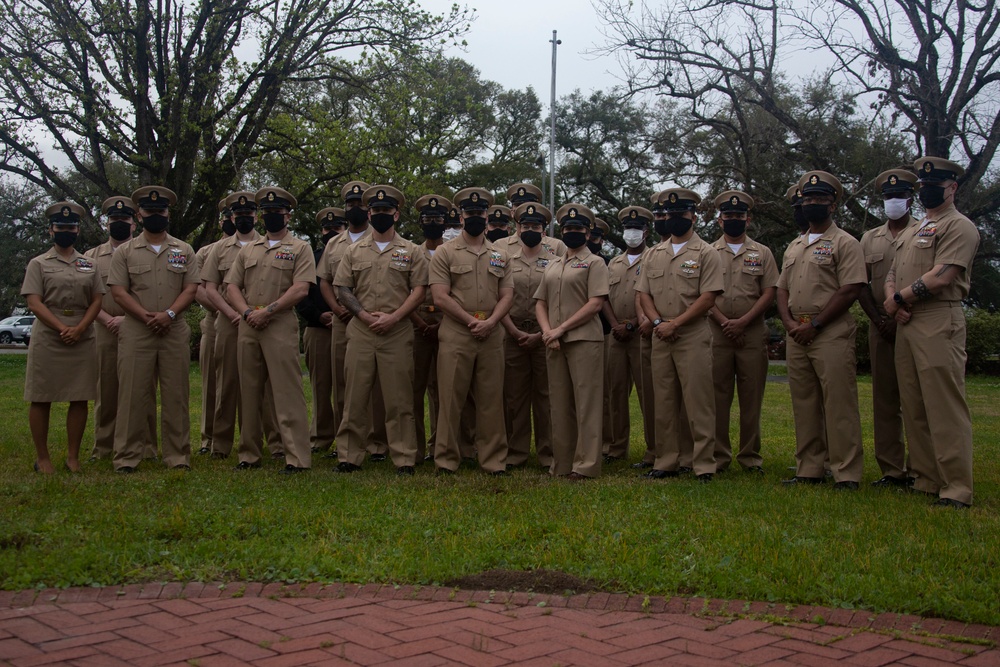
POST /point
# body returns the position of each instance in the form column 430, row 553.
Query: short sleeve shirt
column 745, row 276
column 880, row 249
column 553, row 245
column 567, row 284
column 527, row 275
column 676, row 281
column 382, row 279
column 474, row 278
column 950, row 239
column 334, row 252
column 813, row 272
column 63, row 283
column 622, row 279
column 101, row 255
column 264, row 272
column 154, row 279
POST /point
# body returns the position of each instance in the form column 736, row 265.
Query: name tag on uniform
column 497, row 261
column 285, row 253
column 752, row 259
column 176, row 257
column 824, row 249
column 690, row 266
column 84, row 265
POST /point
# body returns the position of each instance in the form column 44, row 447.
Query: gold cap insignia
column 496, row 214
column 893, row 180
column 572, row 213
column 270, row 196
column 154, row 195
column 673, row 198
column 531, row 210
column 243, row 200
column 474, row 197
column 329, row 216
column 814, row 179
column 633, row 214
column 734, row 200
column 356, row 189
column 119, row 204
column 65, row 211
column 520, row 192
column 434, row 203
column 928, row 167
column 381, row 195
column 798, row 193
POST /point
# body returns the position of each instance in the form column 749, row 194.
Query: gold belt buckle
column 430, row 309
column 68, row 312
column 480, row 315
column 804, row 319
column 259, row 307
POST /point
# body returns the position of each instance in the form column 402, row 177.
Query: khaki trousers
column 745, row 370
column 143, row 355
column 467, row 365
column 648, row 415
column 424, row 382
column 683, row 368
column 106, row 405
column 526, row 398
column 206, row 363
column 576, row 394
column 822, row 382
column 626, row 365
column 930, row 365
column 890, row 450
column 378, row 440
column 368, row 357
column 272, row 354
column 318, row 347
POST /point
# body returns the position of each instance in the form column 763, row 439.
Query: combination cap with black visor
column 734, row 201
column 679, row 199
column 821, row 183
column 474, row 199
column 242, row 201
column 896, row 182
column 635, row 217
column 794, row 195
column 575, row 214
column 433, row 205
column 353, row 191
column 154, row 198
column 331, row 217
column 531, row 212
column 275, row 198
column 383, row 196
column 118, row 206
column 936, row 170
column 64, row 213
column 520, row 193
column 498, row 215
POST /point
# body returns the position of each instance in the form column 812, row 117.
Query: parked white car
column 16, row 329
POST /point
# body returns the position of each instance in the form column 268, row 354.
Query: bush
column 193, row 316
column 861, row 351
column 982, row 343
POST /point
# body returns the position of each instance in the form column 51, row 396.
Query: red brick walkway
column 211, row 625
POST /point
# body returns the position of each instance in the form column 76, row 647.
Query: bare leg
column 76, row 422
column 38, row 421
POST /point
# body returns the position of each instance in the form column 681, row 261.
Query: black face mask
column 433, row 232
column 814, row 214
column 800, row 220
column 64, row 239
column 274, row 222
column 155, row 224
column 531, row 239
column 120, row 230
column 660, row 227
column 595, row 246
column 244, row 224
column 228, row 227
column 475, row 225
column 382, row 222
column 497, row 234
column 574, row 240
column 734, row 228
column 930, row 196
column 356, row 217
column 326, row 237
column 678, row 225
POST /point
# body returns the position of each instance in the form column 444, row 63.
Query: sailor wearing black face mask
column 471, row 282
column 924, row 290
column 121, row 226
column 739, row 335
column 317, row 340
column 433, row 211
column 498, row 222
column 267, row 279
column 794, row 197
column 573, row 290
column 526, row 193
column 596, row 244
column 895, row 188
column 64, row 291
column 822, row 274
column 628, row 353
column 526, row 378
column 154, row 278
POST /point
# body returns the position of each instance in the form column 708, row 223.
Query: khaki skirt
column 59, row 373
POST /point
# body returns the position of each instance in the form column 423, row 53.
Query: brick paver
column 342, row 624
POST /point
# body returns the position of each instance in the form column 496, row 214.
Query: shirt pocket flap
column 140, row 269
column 874, row 257
column 461, row 268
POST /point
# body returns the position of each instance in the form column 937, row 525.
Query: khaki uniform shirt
column 101, row 255
column 154, row 279
column 622, row 279
column 676, row 281
column 567, row 284
column 264, row 272
column 428, row 299
column 527, row 274
column 474, row 280
column 813, row 272
column 553, row 245
column 382, row 279
column 745, row 276
column 950, row 239
column 334, row 252
column 880, row 249
column 66, row 286
column 218, row 262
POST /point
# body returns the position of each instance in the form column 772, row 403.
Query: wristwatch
column 171, row 314
column 629, row 326
column 898, row 298
column 816, row 324
column 657, row 322
column 247, row 312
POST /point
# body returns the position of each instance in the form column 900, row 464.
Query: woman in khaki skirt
column 63, row 290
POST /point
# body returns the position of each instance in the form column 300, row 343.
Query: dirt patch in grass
column 530, row 581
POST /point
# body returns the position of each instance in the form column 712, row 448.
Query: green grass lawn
column 741, row 537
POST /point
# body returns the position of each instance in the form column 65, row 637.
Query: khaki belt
column 68, row 312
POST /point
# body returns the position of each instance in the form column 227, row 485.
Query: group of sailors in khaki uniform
column 517, row 337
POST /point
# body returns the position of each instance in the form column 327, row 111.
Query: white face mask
column 896, row 208
column 451, row 233
column 632, row 237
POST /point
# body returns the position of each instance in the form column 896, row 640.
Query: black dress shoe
column 683, row 470
column 846, row 486
column 498, row 473
column 757, row 470
column 124, row 470
column 802, row 480
column 404, row 471
column 377, row 458
column 204, row 451
column 346, row 467
column 889, row 481
column 613, row 459
column 246, row 465
column 950, row 502
column 277, row 455
column 292, row 470
column 661, row 474
column 331, row 453
column 705, row 477
column 642, row 464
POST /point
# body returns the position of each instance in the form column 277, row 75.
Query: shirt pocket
column 657, row 285
column 462, row 276
column 874, row 258
column 140, row 277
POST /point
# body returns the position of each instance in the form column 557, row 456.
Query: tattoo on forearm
column 348, row 300
column 920, row 290
column 890, row 278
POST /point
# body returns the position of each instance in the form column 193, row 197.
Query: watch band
column 658, row 321
column 171, row 314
